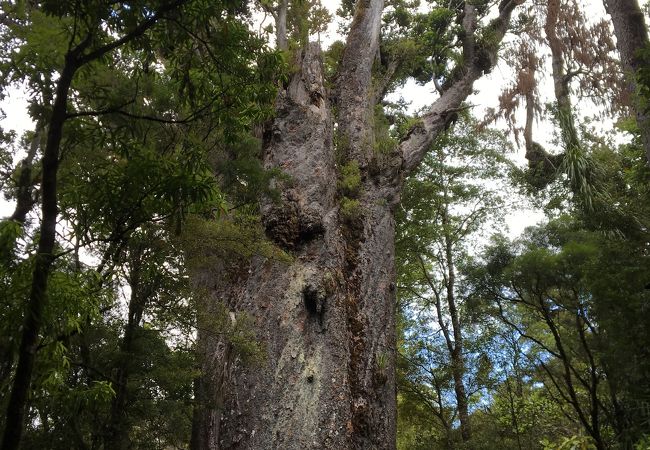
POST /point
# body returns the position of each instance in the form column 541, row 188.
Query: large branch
column 354, row 85
column 477, row 61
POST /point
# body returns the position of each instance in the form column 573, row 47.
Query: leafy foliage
column 445, row 208
column 157, row 129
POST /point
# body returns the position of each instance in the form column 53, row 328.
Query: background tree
column 142, row 97
column 445, row 208
column 559, row 37
column 558, row 295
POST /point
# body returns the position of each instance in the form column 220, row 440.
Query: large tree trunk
column 631, row 37
column 326, row 319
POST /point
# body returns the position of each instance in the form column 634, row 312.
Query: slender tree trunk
column 455, row 345
column 25, row 196
column 16, row 408
column 457, row 357
column 517, row 392
column 25, row 201
column 326, row 320
column 579, row 172
column 74, row 59
column 586, row 418
column 560, row 79
column 632, row 37
column 117, row 429
column 620, row 420
column 513, row 412
column 528, row 128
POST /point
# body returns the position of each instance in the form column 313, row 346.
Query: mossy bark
column 326, row 320
column 324, row 317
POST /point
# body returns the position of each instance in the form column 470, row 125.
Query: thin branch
column 138, row 31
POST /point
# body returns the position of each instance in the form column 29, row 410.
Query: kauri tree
column 327, row 318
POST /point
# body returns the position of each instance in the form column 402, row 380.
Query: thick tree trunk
column 325, row 320
column 631, row 37
column 215, row 356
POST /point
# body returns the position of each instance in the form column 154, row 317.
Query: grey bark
column 354, row 89
column 458, row 368
column 281, row 25
column 540, row 164
column 321, row 386
column 415, row 146
column 561, row 79
column 327, row 318
column 454, row 336
column 631, row 37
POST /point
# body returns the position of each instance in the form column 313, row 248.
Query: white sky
column 488, row 89
column 17, row 119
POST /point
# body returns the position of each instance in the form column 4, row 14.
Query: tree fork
column 327, row 318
